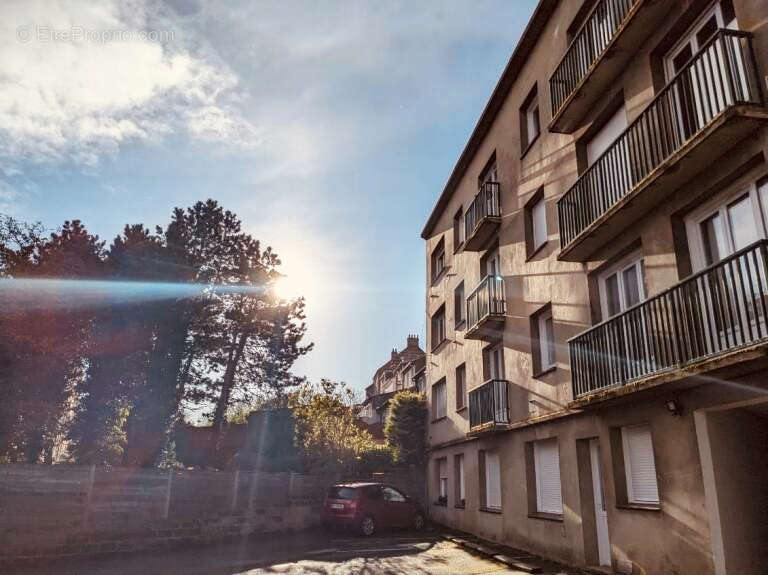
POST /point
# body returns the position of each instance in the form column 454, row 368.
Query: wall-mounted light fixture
column 674, row 407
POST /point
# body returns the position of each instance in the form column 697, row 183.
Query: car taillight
column 353, row 505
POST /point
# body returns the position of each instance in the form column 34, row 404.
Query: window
column 461, row 386
column 492, row 483
column 458, row 466
column 442, row 481
column 459, row 306
column 529, row 121
column 393, row 495
column 639, row 465
column 543, row 339
column 622, row 285
column 438, row 400
column 494, row 362
column 438, row 327
column 547, row 473
column 535, row 222
column 458, row 230
column 606, row 135
column 490, row 263
column 723, row 226
column 438, row 260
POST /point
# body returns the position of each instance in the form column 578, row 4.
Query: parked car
column 366, row 507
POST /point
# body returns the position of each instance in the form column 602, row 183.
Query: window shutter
column 461, row 477
column 547, row 460
column 639, row 465
column 492, row 481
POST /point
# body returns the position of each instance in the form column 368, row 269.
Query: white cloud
column 75, row 101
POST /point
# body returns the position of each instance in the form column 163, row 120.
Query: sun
column 288, row 287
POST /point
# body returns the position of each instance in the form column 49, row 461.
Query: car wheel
column 418, row 522
column 367, row 526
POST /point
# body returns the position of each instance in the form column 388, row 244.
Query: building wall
column 675, row 538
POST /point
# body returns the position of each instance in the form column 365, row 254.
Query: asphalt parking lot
column 302, row 554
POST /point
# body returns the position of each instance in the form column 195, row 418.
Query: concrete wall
column 66, row 510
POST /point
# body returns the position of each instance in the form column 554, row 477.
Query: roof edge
column 521, row 52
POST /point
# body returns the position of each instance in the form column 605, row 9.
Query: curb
column 514, row 562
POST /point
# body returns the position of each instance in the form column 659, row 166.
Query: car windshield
column 342, row 493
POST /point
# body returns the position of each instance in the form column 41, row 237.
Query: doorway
column 732, row 440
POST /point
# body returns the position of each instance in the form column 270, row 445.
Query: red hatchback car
column 366, row 507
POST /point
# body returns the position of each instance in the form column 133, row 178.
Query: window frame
column 487, row 506
column 531, row 246
column 458, row 230
column 436, row 411
column 530, row 111
column 438, row 320
column 459, row 306
column 460, row 482
column 627, row 461
column 441, row 474
column 488, row 354
column 461, row 387
column 539, row 476
column 438, row 264
column 537, row 322
column 634, row 259
column 757, row 190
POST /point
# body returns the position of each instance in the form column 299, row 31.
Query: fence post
column 89, row 494
column 235, row 485
column 168, row 494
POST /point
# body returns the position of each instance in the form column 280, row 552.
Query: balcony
column 691, row 327
column 489, row 406
column 597, row 55
column 482, row 218
column 486, row 309
column 710, row 105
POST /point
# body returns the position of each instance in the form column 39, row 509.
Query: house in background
column 399, row 373
column 598, row 354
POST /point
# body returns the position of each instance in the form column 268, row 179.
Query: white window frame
column 489, row 457
column 461, row 392
column 442, row 477
column 539, row 232
column 555, row 506
column 533, row 120
column 689, row 37
column 493, row 263
column 490, row 175
column 439, row 410
column 496, row 370
column 635, row 259
column 756, row 188
column 545, row 345
column 460, row 479
column 628, row 472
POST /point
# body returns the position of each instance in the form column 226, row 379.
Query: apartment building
column 597, row 282
column 397, row 374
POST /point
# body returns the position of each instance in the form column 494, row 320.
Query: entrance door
column 601, row 515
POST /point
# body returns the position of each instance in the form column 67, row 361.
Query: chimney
column 394, row 352
column 413, row 341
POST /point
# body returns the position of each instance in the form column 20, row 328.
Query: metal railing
column 720, row 75
column 585, row 49
column 721, row 308
column 488, row 298
column 489, row 404
column 485, row 204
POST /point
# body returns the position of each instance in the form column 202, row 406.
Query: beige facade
column 652, row 391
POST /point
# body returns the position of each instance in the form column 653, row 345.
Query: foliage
column 406, row 427
column 110, row 379
column 328, row 432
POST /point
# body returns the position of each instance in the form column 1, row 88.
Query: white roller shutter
column 492, row 480
column 547, row 460
column 603, row 139
column 461, row 477
column 639, row 466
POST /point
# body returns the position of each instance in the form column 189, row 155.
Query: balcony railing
column 489, row 405
column 722, row 74
column 585, row 49
column 488, row 299
column 719, row 309
column 484, row 209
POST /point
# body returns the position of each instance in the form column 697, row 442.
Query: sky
column 330, row 128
